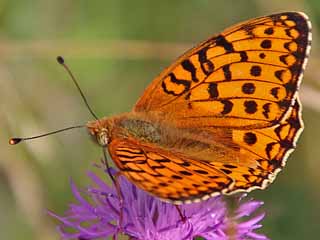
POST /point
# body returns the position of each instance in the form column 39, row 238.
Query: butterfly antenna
column 14, row 141
column 62, row 62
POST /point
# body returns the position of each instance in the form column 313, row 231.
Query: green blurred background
column 116, row 48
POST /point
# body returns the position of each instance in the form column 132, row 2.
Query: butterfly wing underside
column 242, row 82
column 165, row 175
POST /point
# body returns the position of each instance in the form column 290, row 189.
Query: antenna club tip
column 14, row 141
column 60, row 60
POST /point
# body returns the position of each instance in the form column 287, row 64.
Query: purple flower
column 146, row 217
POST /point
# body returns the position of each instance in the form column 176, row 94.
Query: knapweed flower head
column 100, row 213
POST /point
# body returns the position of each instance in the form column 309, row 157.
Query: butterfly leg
column 115, row 182
column 108, row 168
column 121, row 200
column 182, row 216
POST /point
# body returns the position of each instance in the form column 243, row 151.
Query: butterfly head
column 99, row 130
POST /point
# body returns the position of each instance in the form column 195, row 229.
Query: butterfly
column 222, row 119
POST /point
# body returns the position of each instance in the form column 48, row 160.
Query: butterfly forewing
column 247, row 76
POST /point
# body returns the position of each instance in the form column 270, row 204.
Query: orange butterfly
column 223, row 118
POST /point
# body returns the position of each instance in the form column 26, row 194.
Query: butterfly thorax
column 157, row 130
column 129, row 125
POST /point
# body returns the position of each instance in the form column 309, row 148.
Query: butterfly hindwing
column 167, row 175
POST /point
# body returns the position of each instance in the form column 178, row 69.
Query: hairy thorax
column 152, row 129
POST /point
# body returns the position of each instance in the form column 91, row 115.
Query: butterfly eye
column 102, row 138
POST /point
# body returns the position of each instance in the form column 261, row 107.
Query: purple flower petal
column 247, row 208
column 146, row 217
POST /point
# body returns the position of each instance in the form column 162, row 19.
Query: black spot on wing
column 255, row 71
column 206, row 65
column 174, row 80
column 222, row 42
column 187, row 65
column 227, row 106
column 176, row 177
column 213, row 90
column 243, row 56
column 185, row 164
column 269, row 31
column 227, row 72
column 269, row 148
column 248, row 88
column 200, row 171
column 226, row 171
column 266, row 110
column 274, row 92
column 250, row 138
column 262, row 55
column 250, row 106
column 163, row 160
column 229, row 166
column 186, row 173
column 278, row 74
column 266, row 44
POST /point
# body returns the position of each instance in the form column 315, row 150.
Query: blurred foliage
column 116, row 48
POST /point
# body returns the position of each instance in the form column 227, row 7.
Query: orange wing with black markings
column 247, row 76
column 223, row 118
column 171, row 177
